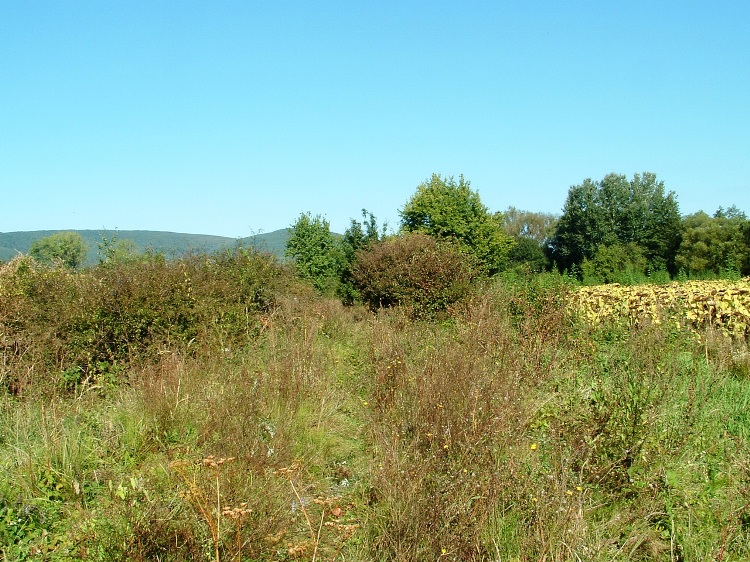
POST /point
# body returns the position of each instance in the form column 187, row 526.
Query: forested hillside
column 170, row 244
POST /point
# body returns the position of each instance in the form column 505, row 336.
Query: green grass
column 503, row 432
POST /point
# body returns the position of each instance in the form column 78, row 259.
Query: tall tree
column 316, row 252
column 615, row 211
column 444, row 208
column 714, row 244
column 361, row 234
column 63, row 248
column 527, row 224
column 531, row 232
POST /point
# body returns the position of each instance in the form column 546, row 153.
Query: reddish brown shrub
column 414, row 271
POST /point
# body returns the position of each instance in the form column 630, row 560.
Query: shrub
column 87, row 327
column 414, row 271
column 615, row 263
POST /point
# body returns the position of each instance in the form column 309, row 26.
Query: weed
column 498, row 428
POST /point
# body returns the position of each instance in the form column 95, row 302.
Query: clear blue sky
column 231, row 118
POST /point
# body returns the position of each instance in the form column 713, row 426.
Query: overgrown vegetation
column 213, row 408
column 63, row 330
column 422, row 275
column 383, row 397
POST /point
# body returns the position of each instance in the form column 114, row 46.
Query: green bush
column 414, row 271
column 622, row 263
column 63, row 329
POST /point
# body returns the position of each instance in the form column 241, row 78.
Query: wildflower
column 534, row 446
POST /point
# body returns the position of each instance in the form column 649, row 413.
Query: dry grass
column 503, row 432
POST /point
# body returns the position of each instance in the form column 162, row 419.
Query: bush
column 450, row 210
column 87, row 327
column 414, row 271
column 624, row 263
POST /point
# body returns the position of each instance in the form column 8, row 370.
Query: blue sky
column 232, row 118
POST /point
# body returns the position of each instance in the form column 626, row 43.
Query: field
column 212, row 408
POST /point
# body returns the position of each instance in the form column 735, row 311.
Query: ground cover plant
column 215, row 408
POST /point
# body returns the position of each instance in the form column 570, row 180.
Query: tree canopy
column 316, row 252
column 63, row 248
column 450, row 209
column 531, row 232
column 114, row 250
column 714, row 244
column 528, row 224
column 614, row 211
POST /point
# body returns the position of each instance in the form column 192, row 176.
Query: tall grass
column 253, row 420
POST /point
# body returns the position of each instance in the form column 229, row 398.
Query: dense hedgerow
column 61, row 329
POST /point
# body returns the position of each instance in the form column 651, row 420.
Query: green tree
column 446, row 209
column 316, row 252
column 114, row 250
column 528, row 254
column 528, row 224
column 359, row 236
column 63, row 248
column 715, row 244
column 531, row 232
column 615, row 211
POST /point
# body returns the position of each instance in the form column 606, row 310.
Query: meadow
column 216, row 408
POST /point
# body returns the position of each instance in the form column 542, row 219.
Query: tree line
column 612, row 230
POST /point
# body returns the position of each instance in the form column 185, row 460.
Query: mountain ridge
column 172, row 244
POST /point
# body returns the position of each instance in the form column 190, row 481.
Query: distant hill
column 273, row 242
column 171, row 244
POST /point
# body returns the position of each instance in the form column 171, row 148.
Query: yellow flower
column 534, row 446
